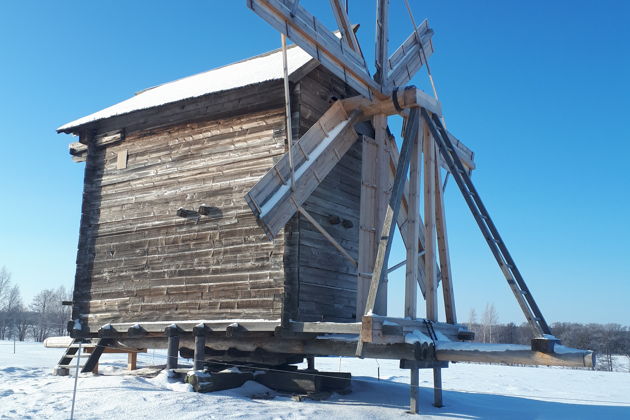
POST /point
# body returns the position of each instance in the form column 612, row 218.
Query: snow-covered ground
column 472, row 391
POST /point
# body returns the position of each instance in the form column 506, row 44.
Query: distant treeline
column 605, row 339
column 45, row 316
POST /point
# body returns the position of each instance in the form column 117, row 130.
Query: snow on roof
column 252, row 71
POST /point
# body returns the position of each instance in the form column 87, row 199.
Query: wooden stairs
column 91, row 351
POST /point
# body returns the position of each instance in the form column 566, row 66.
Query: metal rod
column 424, row 56
column 76, row 378
column 403, row 262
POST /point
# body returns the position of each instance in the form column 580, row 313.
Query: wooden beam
column 430, row 275
column 343, row 22
column 343, row 346
column 188, row 326
column 327, row 235
column 199, row 332
column 445, row 259
column 413, row 230
column 410, row 97
column 383, row 195
column 511, row 354
column 387, row 231
column 382, row 41
column 414, row 382
column 326, row 327
column 410, row 56
column 313, row 37
column 368, row 220
column 314, row 155
column 172, row 332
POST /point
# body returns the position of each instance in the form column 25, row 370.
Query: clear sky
column 539, row 90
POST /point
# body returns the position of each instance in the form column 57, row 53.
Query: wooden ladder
column 488, row 229
column 72, row 352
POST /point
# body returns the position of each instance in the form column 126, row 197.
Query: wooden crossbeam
column 410, row 97
column 313, row 37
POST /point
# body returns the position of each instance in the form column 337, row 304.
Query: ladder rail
column 488, row 229
column 495, row 233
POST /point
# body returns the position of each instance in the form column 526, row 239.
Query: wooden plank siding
column 327, row 280
column 138, row 261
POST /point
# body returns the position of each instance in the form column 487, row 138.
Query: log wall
column 327, row 280
column 138, row 261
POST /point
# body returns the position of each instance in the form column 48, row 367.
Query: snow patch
column 417, row 337
column 244, row 73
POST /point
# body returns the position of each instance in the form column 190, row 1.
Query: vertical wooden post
column 383, row 189
column 132, row 360
column 200, row 346
column 430, row 190
column 411, row 279
column 368, row 220
column 414, row 382
column 385, row 242
column 381, row 137
column 172, row 332
column 445, row 260
column 412, row 231
column 310, row 362
column 437, row 387
column 430, row 275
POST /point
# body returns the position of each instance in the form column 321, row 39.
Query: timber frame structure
column 254, row 222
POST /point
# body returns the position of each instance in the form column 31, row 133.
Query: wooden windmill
column 427, row 144
column 426, row 147
column 170, row 255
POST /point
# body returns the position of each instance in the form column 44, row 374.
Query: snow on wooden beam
column 512, row 354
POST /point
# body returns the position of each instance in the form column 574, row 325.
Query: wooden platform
column 382, row 337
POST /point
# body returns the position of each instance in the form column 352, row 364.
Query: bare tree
column 488, row 320
column 42, row 304
column 472, row 318
column 5, row 290
column 60, row 314
column 5, row 283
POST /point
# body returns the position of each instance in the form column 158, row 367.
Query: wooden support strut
column 172, row 332
column 499, row 250
column 385, row 243
column 430, row 274
column 200, row 331
column 445, row 260
column 413, row 230
column 327, row 235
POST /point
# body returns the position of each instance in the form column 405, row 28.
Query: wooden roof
column 252, row 71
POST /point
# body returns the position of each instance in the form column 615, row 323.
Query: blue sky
column 539, row 90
